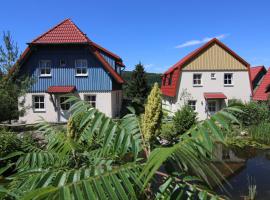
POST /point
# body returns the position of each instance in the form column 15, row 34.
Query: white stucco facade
column 186, row 90
column 107, row 102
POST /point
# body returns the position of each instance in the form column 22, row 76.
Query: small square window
column 197, row 79
column 38, row 103
column 192, row 104
column 62, row 63
column 91, row 99
column 213, row 76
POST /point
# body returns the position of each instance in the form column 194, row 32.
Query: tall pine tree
column 137, row 88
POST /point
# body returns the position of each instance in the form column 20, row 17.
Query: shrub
column 260, row 132
column 184, row 119
column 254, row 113
column 9, row 142
column 168, row 131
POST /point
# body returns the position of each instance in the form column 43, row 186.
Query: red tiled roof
column 255, row 71
column 262, row 92
column 67, row 32
column 64, row 32
column 61, row 89
column 175, row 70
column 213, row 95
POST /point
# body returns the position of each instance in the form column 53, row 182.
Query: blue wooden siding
column 110, row 60
column 97, row 80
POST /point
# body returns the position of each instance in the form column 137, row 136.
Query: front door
column 212, row 106
column 63, row 109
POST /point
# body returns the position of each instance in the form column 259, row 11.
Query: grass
column 260, row 133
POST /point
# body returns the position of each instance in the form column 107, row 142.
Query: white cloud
column 196, row 42
column 148, row 66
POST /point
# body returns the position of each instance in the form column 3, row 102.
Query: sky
column 156, row 33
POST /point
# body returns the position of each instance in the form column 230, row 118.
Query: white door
column 212, row 106
column 63, row 109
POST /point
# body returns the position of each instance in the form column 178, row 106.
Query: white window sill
column 81, row 75
column 45, row 76
column 231, row 85
column 39, row 110
column 197, row 85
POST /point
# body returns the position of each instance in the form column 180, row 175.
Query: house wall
column 239, row 90
column 97, row 80
column 105, row 102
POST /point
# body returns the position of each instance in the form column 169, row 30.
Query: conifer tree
column 151, row 120
column 137, row 88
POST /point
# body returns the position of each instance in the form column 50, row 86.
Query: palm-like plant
column 98, row 158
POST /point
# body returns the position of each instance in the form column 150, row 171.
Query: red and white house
column 206, row 79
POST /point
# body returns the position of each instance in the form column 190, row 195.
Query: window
column 62, row 63
column 197, row 79
column 212, row 106
column 192, row 104
column 81, row 67
column 213, row 76
column 45, row 67
column 91, row 99
column 228, row 79
column 164, row 79
column 170, row 79
column 63, row 104
column 38, row 103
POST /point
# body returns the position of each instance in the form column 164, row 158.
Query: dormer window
column 170, row 79
column 81, row 67
column 45, row 68
column 164, row 79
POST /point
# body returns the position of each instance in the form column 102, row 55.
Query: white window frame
column 65, row 105
column 213, row 76
column 93, row 103
column 81, row 64
column 39, row 103
column 46, row 67
column 192, row 104
column 227, row 79
column 194, row 80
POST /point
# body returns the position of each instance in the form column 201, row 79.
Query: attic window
column 62, row 63
column 164, row 79
column 45, row 68
column 170, row 79
column 213, row 76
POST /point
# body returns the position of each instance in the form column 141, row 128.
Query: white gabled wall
column 106, row 102
column 240, row 89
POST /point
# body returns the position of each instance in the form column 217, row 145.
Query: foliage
column 184, row 119
column 260, row 132
column 137, row 88
column 11, row 85
column 103, row 160
column 151, row 120
column 253, row 112
column 168, row 131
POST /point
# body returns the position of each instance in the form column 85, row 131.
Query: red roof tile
column 217, row 95
column 61, row 89
column 255, row 71
column 170, row 90
column 65, row 32
column 262, row 92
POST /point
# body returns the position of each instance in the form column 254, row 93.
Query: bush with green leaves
column 104, row 161
column 253, row 113
column 184, row 119
column 9, row 142
column 168, row 131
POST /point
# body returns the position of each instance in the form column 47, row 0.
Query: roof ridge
column 52, row 28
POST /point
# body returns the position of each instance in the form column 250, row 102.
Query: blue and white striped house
column 64, row 60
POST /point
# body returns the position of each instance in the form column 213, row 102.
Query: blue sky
column 157, row 33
